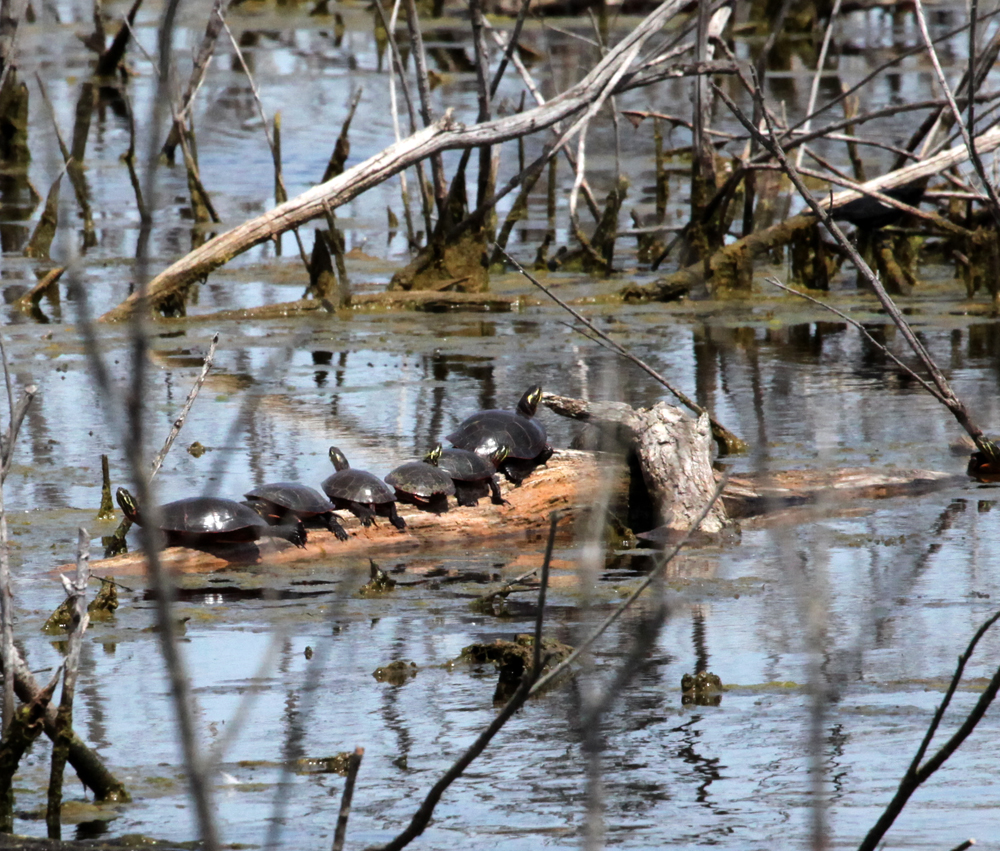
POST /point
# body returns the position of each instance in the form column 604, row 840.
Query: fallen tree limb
column 606, row 78
column 735, row 261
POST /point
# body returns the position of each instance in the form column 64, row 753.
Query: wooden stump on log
column 674, row 453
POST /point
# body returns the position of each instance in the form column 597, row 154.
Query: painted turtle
column 422, row 484
column 516, row 431
column 277, row 501
column 362, row 493
column 474, row 476
column 211, row 520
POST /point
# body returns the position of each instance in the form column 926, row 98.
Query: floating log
column 567, row 483
column 764, row 493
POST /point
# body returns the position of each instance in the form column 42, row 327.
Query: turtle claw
column 339, row 531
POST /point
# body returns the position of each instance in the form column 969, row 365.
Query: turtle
column 474, row 476
column 204, row 520
column 422, row 484
column 362, row 493
column 516, row 431
column 275, row 502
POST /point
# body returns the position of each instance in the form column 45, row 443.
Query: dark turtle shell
column 420, row 479
column 358, row 486
column 474, row 476
column 300, row 499
column 210, row 515
column 518, row 432
column 277, row 500
column 466, row 466
column 212, row 520
column 362, row 493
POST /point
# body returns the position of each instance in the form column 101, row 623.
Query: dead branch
column 444, row 134
column 917, row 773
column 725, row 437
column 744, row 251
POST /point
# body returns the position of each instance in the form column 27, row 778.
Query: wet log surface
column 566, row 483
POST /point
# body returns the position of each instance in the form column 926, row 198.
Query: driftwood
column 765, row 493
column 616, row 72
column 734, row 262
column 674, row 453
column 567, row 483
column 431, row 302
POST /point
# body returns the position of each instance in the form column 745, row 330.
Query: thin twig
column 717, row 427
column 994, row 201
column 182, row 416
column 423, row 815
column 930, row 388
column 536, row 661
column 76, row 589
column 916, row 774
column 354, row 763
column 626, row 604
column 953, row 403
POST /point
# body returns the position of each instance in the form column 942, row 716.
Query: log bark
column 674, row 453
column 606, row 78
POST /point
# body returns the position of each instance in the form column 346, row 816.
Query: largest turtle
column 362, row 493
column 202, row 520
column 517, row 431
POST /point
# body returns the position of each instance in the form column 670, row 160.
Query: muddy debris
column 512, row 659
column 396, row 673
column 701, row 689
column 336, row 764
column 101, row 608
column 379, row 583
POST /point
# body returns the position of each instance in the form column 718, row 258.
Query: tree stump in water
column 672, row 450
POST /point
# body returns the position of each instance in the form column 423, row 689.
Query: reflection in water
column 706, row 769
column 698, row 634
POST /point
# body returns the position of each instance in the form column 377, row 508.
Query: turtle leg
column 394, row 518
column 465, row 495
column 364, row 513
column 333, row 524
column 495, row 496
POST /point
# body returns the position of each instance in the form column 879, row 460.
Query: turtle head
column 499, row 456
column 338, row 459
column 127, row 504
column 433, row 456
column 529, row 401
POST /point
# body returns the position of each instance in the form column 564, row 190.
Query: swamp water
column 890, row 592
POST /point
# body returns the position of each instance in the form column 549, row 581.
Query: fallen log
column 429, row 302
column 768, row 492
column 674, row 453
column 732, row 265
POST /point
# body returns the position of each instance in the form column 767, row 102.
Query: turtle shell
column 488, row 431
column 418, row 478
column 210, row 515
column 465, row 466
column 358, row 486
column 299, row 499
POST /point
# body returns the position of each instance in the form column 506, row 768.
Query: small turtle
column 422, row 484
column 277, row 501
column 204, row 520
column 474, row 476
column 516, row 431
column 362, row 493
